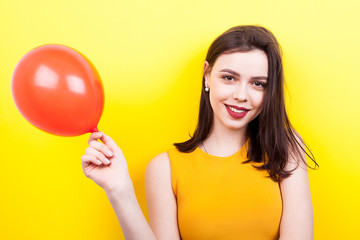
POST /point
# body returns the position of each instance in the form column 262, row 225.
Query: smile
column 237, row 112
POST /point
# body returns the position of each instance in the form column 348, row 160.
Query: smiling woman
column 235, row 87
column 242, row 175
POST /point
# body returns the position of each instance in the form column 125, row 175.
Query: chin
column 236, row 126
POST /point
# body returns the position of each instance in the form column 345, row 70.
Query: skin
column 237, row 79
column 246, row 89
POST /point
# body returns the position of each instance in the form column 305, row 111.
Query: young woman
column 242, row 175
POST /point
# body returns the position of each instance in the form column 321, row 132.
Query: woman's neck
column 223, row 141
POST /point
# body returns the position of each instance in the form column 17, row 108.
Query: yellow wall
column 149, row 55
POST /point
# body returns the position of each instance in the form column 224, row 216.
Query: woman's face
column 237, row 84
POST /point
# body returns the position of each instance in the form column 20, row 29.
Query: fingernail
column 107, row 161
column 109, row 153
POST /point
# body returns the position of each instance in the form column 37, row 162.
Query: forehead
column 252, row 62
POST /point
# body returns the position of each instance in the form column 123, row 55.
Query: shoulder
column 160, row 164
column 296, row 196
column 158, row 176
column 296, row 155
column 163, row 171
column 296, row 164
column 160, row 198
column 160, row 159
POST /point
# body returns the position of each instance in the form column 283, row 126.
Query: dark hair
column 271, row 137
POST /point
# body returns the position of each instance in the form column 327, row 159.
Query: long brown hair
column 271, row 136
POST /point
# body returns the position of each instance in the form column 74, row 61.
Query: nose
column 240, row 93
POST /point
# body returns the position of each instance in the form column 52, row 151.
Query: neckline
column 234, row 155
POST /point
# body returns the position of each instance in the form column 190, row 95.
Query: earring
column 206, row 89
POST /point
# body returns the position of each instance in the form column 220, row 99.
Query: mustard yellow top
column 222, row 198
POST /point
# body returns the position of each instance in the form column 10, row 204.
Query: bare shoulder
column 297, row 165
column 297, row 159
column 160, row 164
column 160, row 198
column 297, row 216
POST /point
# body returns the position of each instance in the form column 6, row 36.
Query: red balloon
column 58, row 90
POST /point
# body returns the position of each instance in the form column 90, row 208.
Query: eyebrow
column 238, row 75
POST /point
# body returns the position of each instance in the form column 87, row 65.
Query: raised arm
column 105, row 164
column 297, row 222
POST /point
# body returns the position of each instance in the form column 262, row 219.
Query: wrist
column 121, row 192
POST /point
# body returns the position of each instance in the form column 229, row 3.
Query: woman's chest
column 231, row 201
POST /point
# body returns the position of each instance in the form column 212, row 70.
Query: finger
column 87, row 159
column 101, row 148
column 94, row 136
column 98, row 155
column 108, row 141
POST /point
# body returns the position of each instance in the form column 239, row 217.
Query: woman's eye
column 229, row 78
column 259, row 84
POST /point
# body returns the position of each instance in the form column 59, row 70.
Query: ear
column 206, row 70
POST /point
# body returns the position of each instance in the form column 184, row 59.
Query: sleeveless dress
column 223, row 198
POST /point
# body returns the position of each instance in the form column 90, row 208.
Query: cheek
column 218, row 97
column 258, row 99
column 219, row 92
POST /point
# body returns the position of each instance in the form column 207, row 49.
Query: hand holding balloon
column 58, row 90
column 105, row 164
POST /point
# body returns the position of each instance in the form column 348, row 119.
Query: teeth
column 235, row 110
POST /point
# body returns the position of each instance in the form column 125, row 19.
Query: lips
column 236, row 112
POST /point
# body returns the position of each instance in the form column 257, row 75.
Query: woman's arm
column 161, row 202
column 297, row 222
column 105, row 164
column 129, row 214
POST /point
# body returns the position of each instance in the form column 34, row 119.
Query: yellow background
column 149, row 55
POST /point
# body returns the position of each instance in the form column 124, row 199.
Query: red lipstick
column 236, row 114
